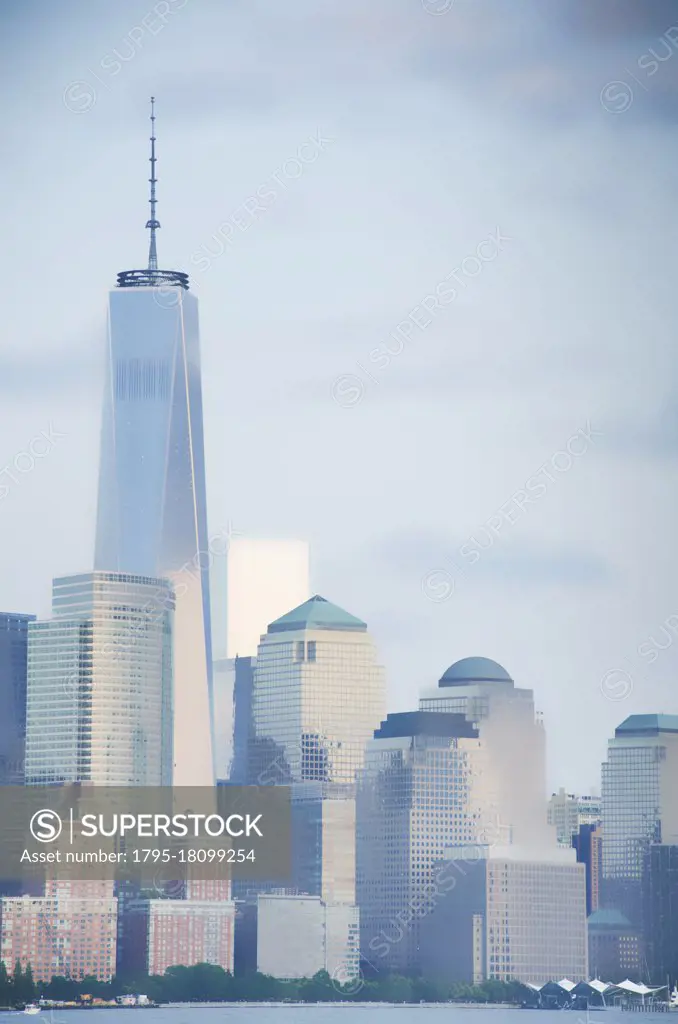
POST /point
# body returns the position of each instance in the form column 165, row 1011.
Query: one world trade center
column 151, row 517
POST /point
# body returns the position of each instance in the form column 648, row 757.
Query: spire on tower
column 151, row 277
column 153, row 224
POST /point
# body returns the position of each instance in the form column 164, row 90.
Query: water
column 229, row 1013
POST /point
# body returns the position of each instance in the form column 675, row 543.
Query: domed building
column 511, row 772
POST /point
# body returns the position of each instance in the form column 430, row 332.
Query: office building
column 242, row 689
column 660, row 912
column 295, row 936
column 614, row 946
column 588, row 846
column 263, row 580
column 512, row 755
column 639, row 805
column 418, row 795
column 70, row 931
column 318, row 694
column 13, row 680
column 506, row 913
column 567, row 811
column 99, row 688
column 152, row 518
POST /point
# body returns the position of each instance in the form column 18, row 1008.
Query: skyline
column 472, row 406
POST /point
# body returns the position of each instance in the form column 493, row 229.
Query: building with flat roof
column 261, row 580
column 61, row 933
column 299, row 935
column 639, row 805
column 100, row 683
column 588, row 846
column 13, row 684
column 660, row 911
column 189, row 932
column 417, row 796
column 506, row 913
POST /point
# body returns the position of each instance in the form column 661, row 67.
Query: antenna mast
column 153, row 224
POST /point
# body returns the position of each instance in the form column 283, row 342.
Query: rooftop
column 608, row 919
column 647, row 725
column 317, row 613
column 474, row 670
column 426, row 723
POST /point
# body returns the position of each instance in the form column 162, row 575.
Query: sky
column 434, row 244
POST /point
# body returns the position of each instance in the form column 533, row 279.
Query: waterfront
column 314, row 1013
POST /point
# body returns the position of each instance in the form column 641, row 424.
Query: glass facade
column 99, row 705
column 152, row 517
column 416, row 797
column 318, row 696
column 639, row 804
column 13, row 676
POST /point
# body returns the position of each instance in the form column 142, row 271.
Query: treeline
column 208, row 983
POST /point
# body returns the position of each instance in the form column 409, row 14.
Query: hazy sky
column 436, row 126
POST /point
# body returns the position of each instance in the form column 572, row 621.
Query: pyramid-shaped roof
column 317, row 613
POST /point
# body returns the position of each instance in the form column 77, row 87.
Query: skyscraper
column 99, row 703
column 512, row 756
column 13, row 675
column 152, row 518
column 262, row 578
column 639, row 805
column 416, row 797
column 319, row 693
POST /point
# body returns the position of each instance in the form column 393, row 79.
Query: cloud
column 502, row 561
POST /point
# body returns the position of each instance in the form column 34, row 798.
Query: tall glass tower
column 99, row 695
column 152, row 517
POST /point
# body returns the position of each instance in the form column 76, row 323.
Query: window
column 299, row 656
column 311, row 650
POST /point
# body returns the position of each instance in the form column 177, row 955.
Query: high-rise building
column 639, row 805
column 507, row 913
column 466, row 771
column 588, row 846
column 99, row 705
column 263, row 579
column 660, row 912
column 152, row 517
column 512, row 756
column 567, row 811
column 318, row 694
column 13, row 678
column 416, row 797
